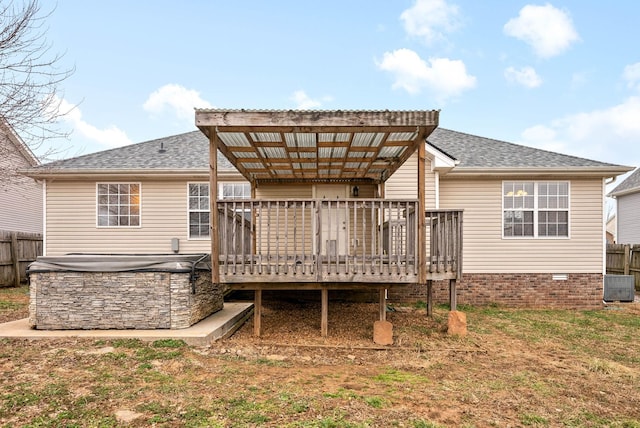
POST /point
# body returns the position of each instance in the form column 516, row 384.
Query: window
column 234, row 191
column 535, row 209
column 118, row 204
column 198, row 210
column 199, row 204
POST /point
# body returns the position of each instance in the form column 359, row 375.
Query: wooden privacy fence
column 624, row 259
column 17, row 250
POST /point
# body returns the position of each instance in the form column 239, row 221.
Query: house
column 627, row 196
column 611, row 229
column 20, row 196
column 327, row 200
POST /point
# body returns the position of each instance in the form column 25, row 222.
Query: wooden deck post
column 429, row 298
column 213, row 205
column 324, row 320
column 383, row 304
column 453, row 298
column 422, row 248
column 257, row 313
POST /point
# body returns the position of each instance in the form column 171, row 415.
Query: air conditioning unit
column 619, row 288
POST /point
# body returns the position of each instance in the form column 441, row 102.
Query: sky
column 562, row 75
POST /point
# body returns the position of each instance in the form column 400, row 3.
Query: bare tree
column 30, row 74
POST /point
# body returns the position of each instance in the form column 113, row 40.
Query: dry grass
column 515, row 368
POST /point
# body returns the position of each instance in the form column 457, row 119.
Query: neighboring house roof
column 19, row 144
column 188, row 153
column 481, row 155
column 631, row 184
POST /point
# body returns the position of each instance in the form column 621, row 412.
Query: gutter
column 611, row 171
column 103, row 173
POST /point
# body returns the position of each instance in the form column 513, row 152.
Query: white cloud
column 547, row 29
column 579, row 79
column 631, row 74
column 112, row 136
column 525, row 76
column 431, row 19
column 177, row 100
column 609, row 134
column 304, row 102
column 443, row 77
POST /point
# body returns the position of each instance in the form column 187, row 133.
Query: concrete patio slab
column 220, row 324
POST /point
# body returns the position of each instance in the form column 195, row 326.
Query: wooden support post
column 324, row 320
column 257, row 313
column 422, row 235
column 213, row 204
column 429, row 298
column 422, row 248
column 15, row 259
column 383, row 304
column 453, row 298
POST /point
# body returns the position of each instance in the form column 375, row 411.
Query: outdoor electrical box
column 619, row 288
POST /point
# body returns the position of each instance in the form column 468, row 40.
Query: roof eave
column 115, row 173
column 615, row 194
column 604, row 171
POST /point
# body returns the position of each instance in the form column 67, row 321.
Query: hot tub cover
column 121, row 263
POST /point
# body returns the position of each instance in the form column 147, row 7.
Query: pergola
column 301, row 146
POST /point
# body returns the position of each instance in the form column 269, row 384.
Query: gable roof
column 177, row 154
column 631, row 184
column 18, row 143
column 186, row 154
column 480, row 155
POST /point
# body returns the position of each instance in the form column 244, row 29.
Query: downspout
column 44, row 217
column 436, row 178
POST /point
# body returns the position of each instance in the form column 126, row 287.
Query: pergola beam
column 308, row 120
column 306, row 146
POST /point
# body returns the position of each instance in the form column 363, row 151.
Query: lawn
column 515, row 368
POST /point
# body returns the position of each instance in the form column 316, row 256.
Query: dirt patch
column 14, row 303
column 514, row 368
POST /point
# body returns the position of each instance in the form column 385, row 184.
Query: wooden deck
column 310, row 243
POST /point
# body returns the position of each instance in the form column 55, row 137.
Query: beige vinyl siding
column 280, row 233
column 277, row 235
column 403, row 184
column 71, row 220
column 20, row 196
column 485, row 251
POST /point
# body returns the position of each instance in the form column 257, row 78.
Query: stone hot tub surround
column 121, row 292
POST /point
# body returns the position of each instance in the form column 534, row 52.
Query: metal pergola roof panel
column 312, row 145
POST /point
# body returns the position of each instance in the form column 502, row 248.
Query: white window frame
column 220, row 197
column 234, row 183
column 97, row 205
column 189, row 211
column 536, row 210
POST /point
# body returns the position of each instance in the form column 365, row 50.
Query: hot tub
column 111, row 291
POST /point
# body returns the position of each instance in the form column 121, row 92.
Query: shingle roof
column 188, row 151
column 473, row 151
column 183, row 151
column 629, row 184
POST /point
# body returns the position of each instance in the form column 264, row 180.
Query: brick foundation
column 531, row 290
column 120, row 300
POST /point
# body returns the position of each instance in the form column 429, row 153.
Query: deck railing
column 348, row 240
column 444, row 243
